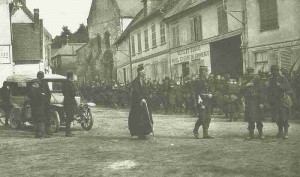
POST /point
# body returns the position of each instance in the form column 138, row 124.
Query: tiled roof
column 185, row 5
column 69, row 49
column 26, row 44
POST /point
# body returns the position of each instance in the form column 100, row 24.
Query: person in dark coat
column 70, row 104
column 38, row 98
column 204, row 103
column 252, row 90
column 140, row 118
column 5, row 100
column 279, row 88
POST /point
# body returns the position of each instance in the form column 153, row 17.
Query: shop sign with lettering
column 201, row 52
column 4, row 54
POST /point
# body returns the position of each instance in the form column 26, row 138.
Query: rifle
column 292, row 68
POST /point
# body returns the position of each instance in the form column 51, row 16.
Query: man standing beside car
column 5, row 100
column 69, row 92
column 38, row 96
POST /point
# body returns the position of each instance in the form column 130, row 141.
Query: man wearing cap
column 5, row 100
column 254, row 103
column 39, row 103
column 204, row 103
column 70, row 104
column 140, row 117
column 279, row 89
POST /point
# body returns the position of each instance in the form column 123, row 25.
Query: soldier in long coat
column 279, row 89
column 204, row 100
column 254, row 103
column 140, row 118
column 5, row 100
column 39, row 103
column 70, row 104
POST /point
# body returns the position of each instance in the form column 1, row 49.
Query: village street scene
column 149, row 88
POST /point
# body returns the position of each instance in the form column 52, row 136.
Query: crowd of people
column 178, row 97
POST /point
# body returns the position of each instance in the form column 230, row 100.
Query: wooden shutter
column 199, row 28
column 192, row 24
column 268, row 14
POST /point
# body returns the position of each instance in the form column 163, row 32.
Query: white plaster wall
column 5, row 27
column 288, row 19
column 28, row 68
column 20, row 17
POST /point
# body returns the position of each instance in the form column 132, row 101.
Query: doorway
column 226, row 57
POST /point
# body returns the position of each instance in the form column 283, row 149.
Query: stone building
column 107, row 19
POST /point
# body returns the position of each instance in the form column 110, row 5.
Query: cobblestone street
column 108, row 150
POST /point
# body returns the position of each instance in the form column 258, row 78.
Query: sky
column 59, row 13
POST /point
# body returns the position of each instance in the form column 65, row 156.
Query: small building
column 6, row 63
column 64, row 60
column 31, row 42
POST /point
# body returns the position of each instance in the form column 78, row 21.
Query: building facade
column 31, row 42
column 226, row 35
column 273, row 32
column 6, row 63
column 146, row 40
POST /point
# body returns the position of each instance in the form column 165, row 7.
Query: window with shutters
column 162, row 33
column 146, row 39
column 196, row 28
column 268, row 14
column 132, row 45
column 175, row 35
column 139, row 42
column 222, row 19
column 153, row 30
column 261, row 61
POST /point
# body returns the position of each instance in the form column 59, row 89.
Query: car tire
column 54, row 122
column 14, row 122
column 87, row 120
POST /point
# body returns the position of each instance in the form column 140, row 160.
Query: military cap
column 274, row 67
column 202, row 67
column 140, row 68
column 69, row 75
column 250, row 69
column 40, row 74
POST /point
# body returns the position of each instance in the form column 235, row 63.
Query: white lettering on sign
column 201, row 52
column 4, row 54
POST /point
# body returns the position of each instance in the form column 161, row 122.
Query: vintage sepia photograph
column 149, row 88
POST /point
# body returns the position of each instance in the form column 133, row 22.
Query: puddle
column 122, row 165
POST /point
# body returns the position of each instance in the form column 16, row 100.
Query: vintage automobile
column 21, row 112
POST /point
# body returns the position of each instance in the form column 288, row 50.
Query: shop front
column 186, row 62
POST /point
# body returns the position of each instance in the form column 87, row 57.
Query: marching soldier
column 280, row 91
column 204, row 101
column 70, row 104
column 254, row 103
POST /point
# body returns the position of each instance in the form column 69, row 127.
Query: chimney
column 145, row 7
column 36, row 18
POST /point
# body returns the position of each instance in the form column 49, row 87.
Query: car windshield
column 55, row 86
column 19, row 89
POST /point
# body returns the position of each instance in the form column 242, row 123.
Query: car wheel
column 13, row 121
column 2, row 116
column 54, row 122
column 87, row 120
